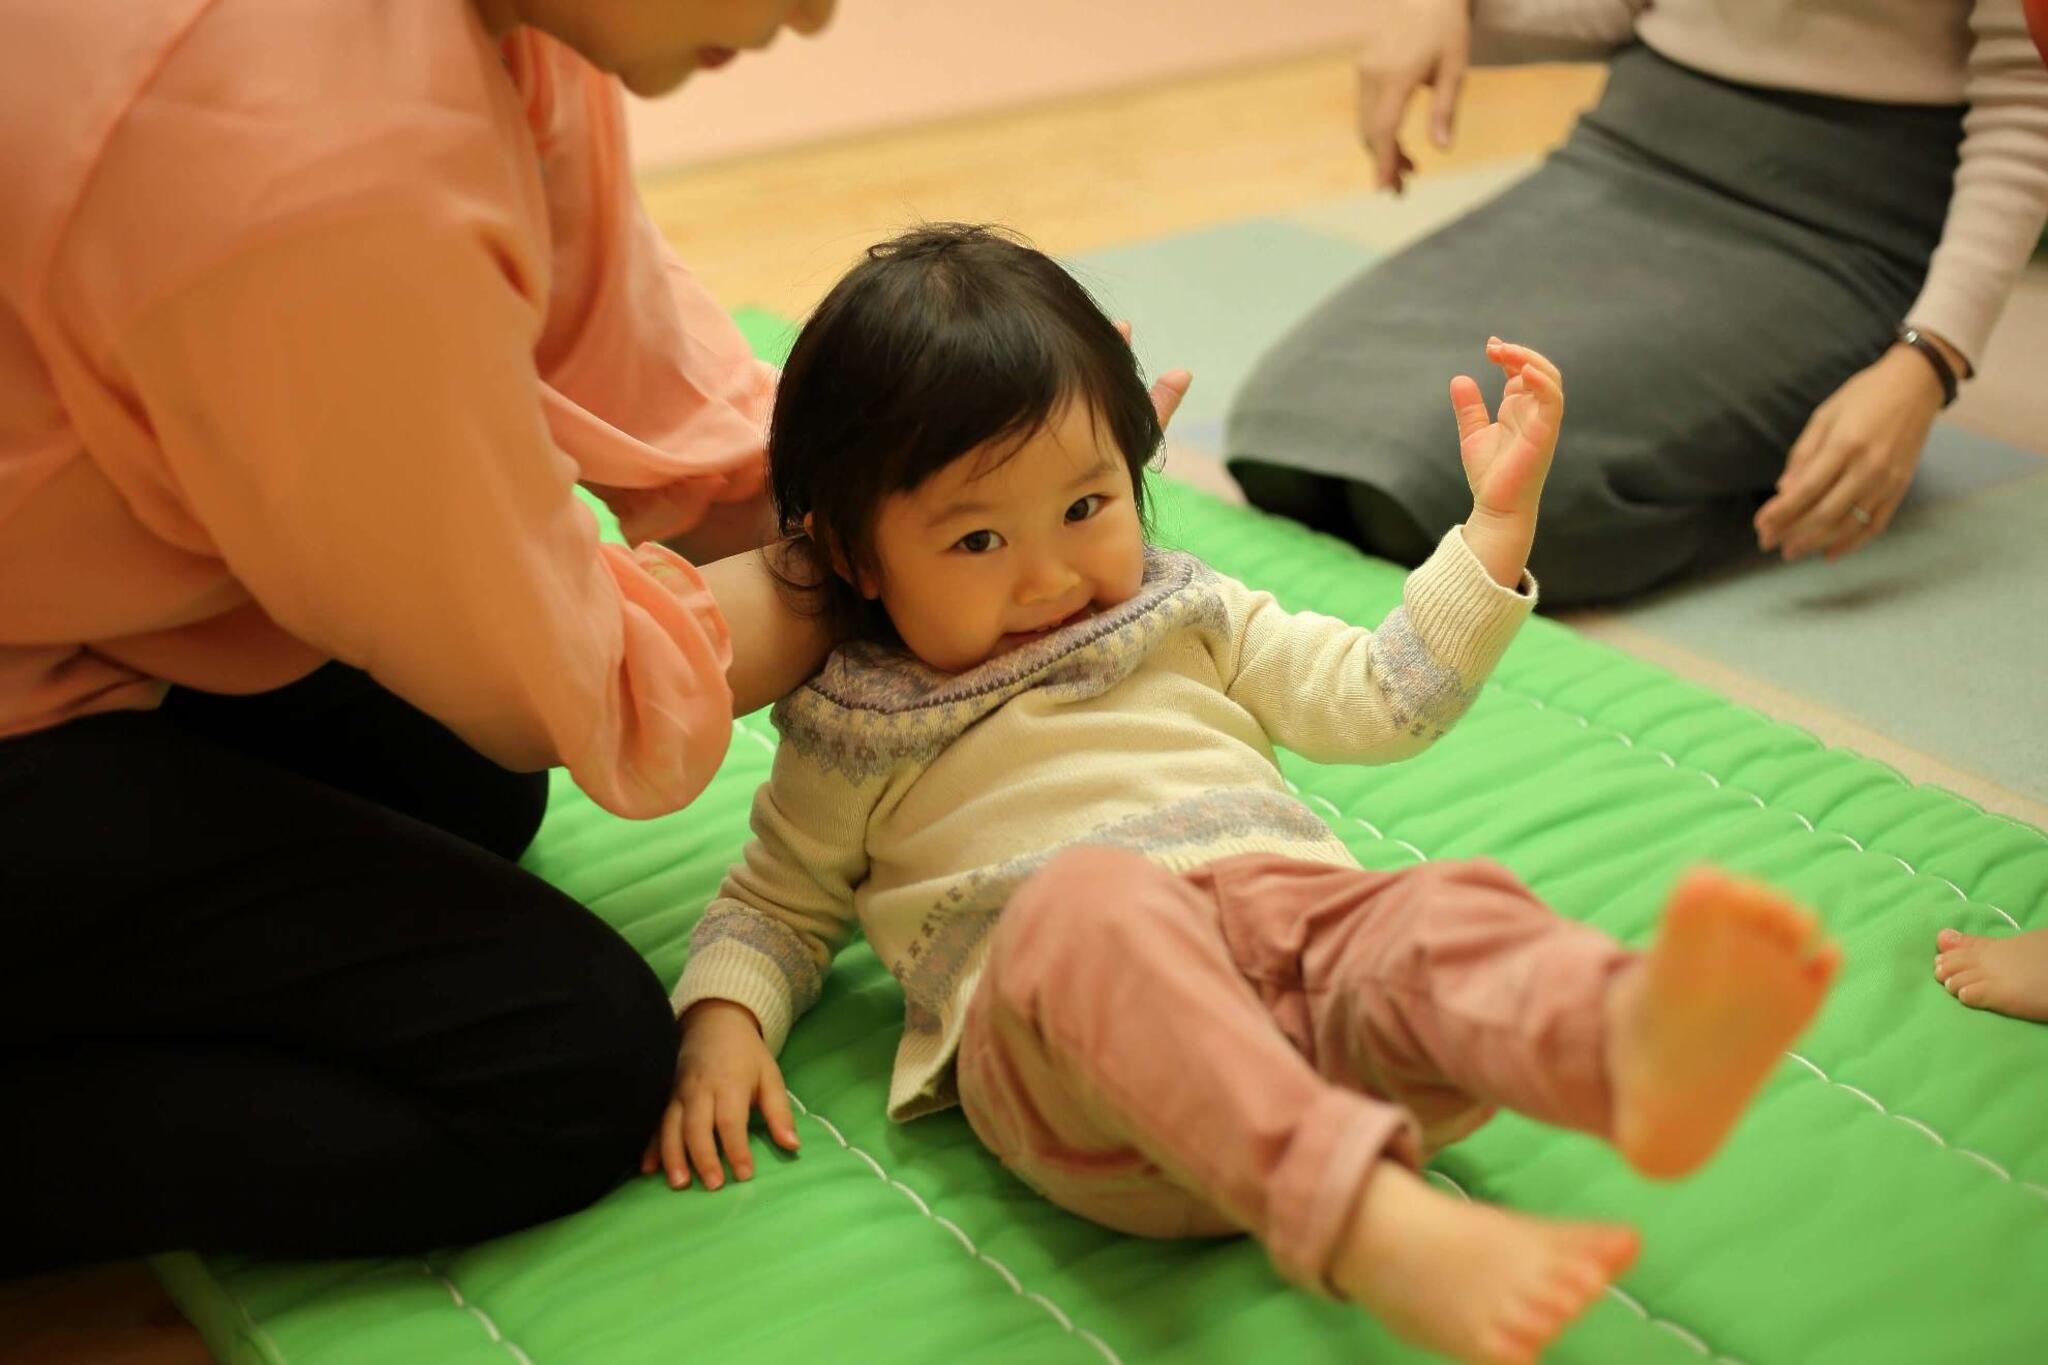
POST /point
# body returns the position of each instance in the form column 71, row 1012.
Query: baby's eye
column 1084, row 508
column 978, row 542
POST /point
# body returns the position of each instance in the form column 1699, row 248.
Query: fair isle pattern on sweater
column 912, row 804
column 874, row 706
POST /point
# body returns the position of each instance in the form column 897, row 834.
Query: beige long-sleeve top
column 909, row 803
column 1897, row 51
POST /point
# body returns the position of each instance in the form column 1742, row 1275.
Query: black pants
column 270, row 981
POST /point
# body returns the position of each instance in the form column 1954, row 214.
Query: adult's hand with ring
column 1851, row 466
column 1412, row 43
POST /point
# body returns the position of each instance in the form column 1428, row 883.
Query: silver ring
column 1859, row 514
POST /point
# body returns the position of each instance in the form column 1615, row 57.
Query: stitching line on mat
column 1863, row 1095
column 1924, row 1130
column 1052, row 1310
column 1629, row 741
column 1621, row 1296
column 511, row 1347
column 1369, row 827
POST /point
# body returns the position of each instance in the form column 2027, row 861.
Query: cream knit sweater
column 910, row 803
column 1896, row 51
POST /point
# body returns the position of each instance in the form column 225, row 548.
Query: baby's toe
column 1978, row 993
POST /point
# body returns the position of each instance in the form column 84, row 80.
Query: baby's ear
column 862, row 582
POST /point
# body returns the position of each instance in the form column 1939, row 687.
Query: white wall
column 887, row 63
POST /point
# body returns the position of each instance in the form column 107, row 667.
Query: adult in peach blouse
column 311, row 318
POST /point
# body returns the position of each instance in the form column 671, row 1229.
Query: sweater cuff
column 727, row 970
column 1463, row 618
column 1962, row 322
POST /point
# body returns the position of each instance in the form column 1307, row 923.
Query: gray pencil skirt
column 1706, row 262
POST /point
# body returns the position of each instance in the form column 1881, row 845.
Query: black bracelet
column 1943, row 371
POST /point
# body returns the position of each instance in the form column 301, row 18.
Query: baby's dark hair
column 946, row 339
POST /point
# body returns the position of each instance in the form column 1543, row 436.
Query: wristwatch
column 1910, row 335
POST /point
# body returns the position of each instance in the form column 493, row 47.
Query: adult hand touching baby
column 1413, row 43
column 1168, row 389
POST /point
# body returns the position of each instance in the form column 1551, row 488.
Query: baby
column 1041, row 779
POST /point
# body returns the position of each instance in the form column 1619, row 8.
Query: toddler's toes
column 1957, row 954
column 1957, row 980
column 1960, row 947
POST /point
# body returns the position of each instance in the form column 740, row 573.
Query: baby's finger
column 1469, row 404
column 1545, row 383
column 774, row 1098
column 697, row 1136
column 731, row 1119
column 672, row 1146
column 1514, row 358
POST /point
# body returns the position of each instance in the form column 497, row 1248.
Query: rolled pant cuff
column 1317, row 1184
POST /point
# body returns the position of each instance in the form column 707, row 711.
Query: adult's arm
column 352, row 413
column 2000, row 200
column 1510, row 31
column 1849, row 471
column 650, row 387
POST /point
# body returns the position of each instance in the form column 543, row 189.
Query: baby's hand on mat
column 1506, row 458
column 723, row 1072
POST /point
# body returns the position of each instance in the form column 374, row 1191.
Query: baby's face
column 974, row 563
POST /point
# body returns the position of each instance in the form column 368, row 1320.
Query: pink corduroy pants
column 1231, row 1049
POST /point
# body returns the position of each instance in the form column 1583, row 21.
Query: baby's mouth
column 1018, row 638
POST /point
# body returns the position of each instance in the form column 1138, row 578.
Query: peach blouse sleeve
column 649, row 385
column 353, row 410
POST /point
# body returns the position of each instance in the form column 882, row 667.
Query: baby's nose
column 1048, row 578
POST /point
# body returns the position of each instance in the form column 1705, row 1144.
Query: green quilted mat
column 1886, row 1200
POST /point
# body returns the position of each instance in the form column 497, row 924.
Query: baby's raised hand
column 1507, row 458
column 723, row 1073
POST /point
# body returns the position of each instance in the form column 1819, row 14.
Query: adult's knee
column 585, row 1070
column 502, row 812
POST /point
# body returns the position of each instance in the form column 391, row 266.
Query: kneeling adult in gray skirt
column 1709, row 262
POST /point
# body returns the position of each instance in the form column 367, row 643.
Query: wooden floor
column 775, row 231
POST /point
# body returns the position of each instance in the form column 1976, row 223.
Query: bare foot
column 1693, row 1029
column 1475, row 1282
column 2005, row 975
